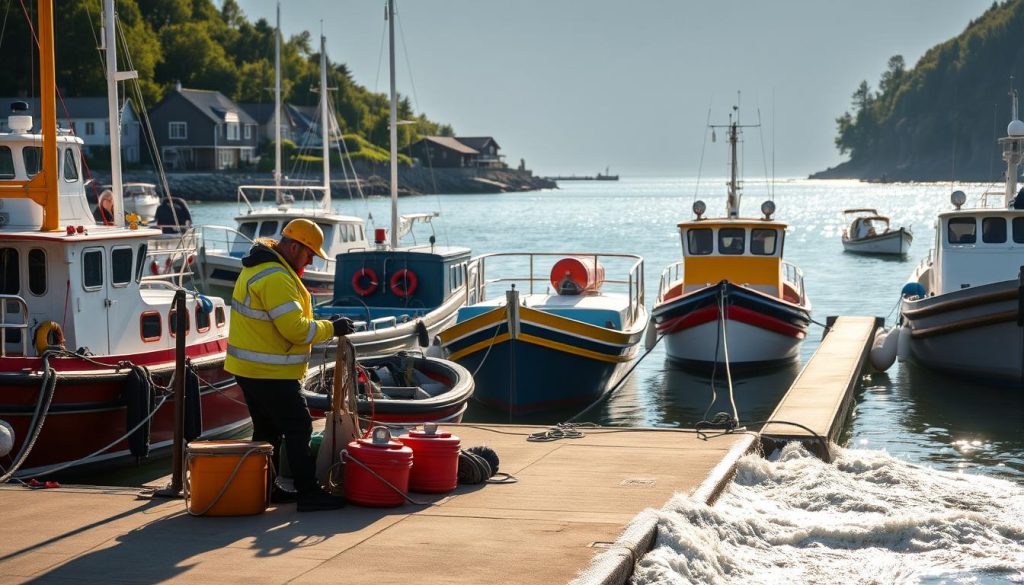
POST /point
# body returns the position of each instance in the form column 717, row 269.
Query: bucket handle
column 227, row 483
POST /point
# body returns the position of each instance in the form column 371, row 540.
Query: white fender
column 903, row 344
column 883, row 349
column 650, row 335
column 6, row 438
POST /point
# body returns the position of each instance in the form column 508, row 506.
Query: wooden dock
column 573, row 499
column 819, row 399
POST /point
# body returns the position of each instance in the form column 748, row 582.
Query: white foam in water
column 867, row 518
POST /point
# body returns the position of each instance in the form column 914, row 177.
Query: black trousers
column 278, row 409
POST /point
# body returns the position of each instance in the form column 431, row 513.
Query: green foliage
column 203, row 47
column 938, row 116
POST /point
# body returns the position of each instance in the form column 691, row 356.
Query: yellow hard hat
column 306, row 233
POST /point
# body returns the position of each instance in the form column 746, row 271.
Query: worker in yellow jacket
column 269, row 344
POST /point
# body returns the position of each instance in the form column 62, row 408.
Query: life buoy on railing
column 403, row 283
column 365, row 282
column 48, row 334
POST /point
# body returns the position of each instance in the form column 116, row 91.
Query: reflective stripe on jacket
column 272, row 326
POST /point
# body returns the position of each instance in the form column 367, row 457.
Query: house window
column 74, row 128
column 92, row 269
column 37, row 271
column 121, row 266
column 232, row 130
column 177, row 130
column 225, row 159
column 90, row 128
column 6, row 163
column 10, row 282
column 70, row 168
column 149, row 326
column 248, row 131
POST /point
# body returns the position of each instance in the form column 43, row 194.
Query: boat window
column 218, row 315
column 731, row 241
column 6, row 163
column 92, row 269
column 172, row 322
column 37, row 271
column 150, row 326
column 993, row 230
column 328, row 230
column 33, row 157
column 762, row 241
column 248, row 229
column 699, row 241
column 961, row 230
column 120, row 266
column 268, row 229
column 140, row 261
column 70, row 168
column 202, row 320
column 10, row 283
column 362, row 236
column 1018, row 230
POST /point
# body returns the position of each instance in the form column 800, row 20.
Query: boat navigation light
column 768, row 208
column 958, row 198
column 699, row 207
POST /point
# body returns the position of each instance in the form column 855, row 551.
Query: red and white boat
column 79, row 307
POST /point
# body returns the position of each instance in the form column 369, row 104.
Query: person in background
column 269, row 343
column 104, row 212
column 173, row 215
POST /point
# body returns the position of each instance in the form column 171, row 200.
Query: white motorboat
column 732, row 299
column 961, row 309
column 141, row 199
column 870, row 233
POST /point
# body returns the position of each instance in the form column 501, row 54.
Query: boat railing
column 284, row 195
column 6, row 302
column 671, row 274
column 478, row 282
column 170, row 258
column 792, row 274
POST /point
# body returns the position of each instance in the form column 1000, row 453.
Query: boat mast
column 732, row 204
column 394, row 126
column 1012, row 153
column 325, row 128
column 113, row 112
column 277, row 99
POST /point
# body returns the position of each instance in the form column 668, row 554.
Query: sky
column 578, row 86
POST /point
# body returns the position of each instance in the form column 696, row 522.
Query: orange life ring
column 48, row 334
column 403, row 283
column 364, row 290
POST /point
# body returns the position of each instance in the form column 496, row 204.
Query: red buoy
column 573, row 276
column 435, row 461
column 389, row 459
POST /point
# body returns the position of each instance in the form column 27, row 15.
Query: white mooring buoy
column 6, row 438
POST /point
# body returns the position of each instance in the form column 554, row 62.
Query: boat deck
column 573, row 499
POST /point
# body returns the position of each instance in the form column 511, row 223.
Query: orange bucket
column 227, row 478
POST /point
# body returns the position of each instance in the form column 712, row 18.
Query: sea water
column 927, row 483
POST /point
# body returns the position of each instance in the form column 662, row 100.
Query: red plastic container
column 435, row 460
column 389, row 459
column 573, row 276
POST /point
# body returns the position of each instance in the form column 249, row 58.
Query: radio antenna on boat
column 277, row 99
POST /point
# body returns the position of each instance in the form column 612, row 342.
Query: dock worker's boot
column 316, row 500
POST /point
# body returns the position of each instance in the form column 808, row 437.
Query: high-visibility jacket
column 272, row 326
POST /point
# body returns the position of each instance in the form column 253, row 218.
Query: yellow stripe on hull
column 477, row 323
column 573, row 327
column 575, row 350
column 480, row 345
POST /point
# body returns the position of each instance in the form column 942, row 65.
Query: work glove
column 342, row 326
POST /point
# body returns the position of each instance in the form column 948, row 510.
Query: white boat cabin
column 975, row 247
column 342, row 233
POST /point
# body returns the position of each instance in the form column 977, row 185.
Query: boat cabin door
column 105, row 307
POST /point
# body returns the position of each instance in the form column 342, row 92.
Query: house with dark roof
column 203, row 130
column 87, row 118
column 263, row 114
column 452, row 152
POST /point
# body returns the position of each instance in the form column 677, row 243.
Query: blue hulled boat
column 563, row 347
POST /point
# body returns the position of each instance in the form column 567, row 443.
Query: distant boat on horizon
column 606, row 176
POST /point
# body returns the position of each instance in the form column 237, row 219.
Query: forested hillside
column 203, row 47
column 940, row 119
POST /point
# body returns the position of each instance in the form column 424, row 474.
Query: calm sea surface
column 915, row 439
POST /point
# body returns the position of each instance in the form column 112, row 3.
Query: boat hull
column 551, row 363
column 88, row 410
column 761, row 330
column 896, row 243
column 972, row 331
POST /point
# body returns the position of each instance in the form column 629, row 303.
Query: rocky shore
column 223, row 185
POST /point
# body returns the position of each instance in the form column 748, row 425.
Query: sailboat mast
column 394, row 126
column 110, row 40
column 277, row 99
column 733, row 201
column 325, row 127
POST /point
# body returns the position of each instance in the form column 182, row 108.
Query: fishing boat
column 264, row 211
column 80, row 316
column 562, row 339
column 399, row 296
column 869, row 233
column 732, row 299
column 960, row 310
column 405, row 389
column 141, row 199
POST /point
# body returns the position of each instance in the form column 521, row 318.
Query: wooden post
column 174, row 489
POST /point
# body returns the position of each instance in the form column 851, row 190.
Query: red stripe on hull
column 732, row 313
